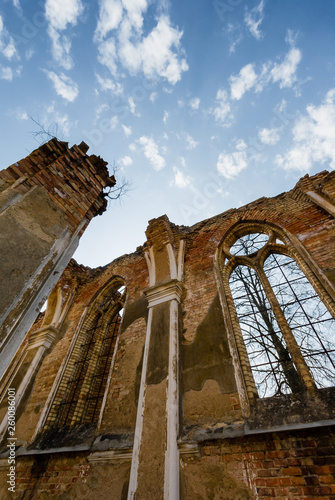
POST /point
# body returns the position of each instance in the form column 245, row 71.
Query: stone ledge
column 111, row 456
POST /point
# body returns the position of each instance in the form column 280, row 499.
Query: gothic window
column 284, row 332
column 80, row 393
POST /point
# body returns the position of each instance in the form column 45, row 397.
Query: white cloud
column 7, row 46
column 110, row 16
column 195, row 103
column 151, row 152
column 22, row 115
column 269, row 136
column 222, row 111
column 17, row 5
column 127, row 130
column 291, row 38
column 154, row 54
column 285, row 72
column 135, row 10
column 241, row 145
column 165, row 117
column 60, row 14
column 126, row 161
column 113, row 122
column 158, row 54
column 63, row 123
column 19, row 114
column 235, row 36
column 108, row 84
column 245, row 80
column 56, row 123
column 6, row 73
column 132, row 105
column 231, row 164
column 51, row 107
column 64, row 86
column 107, row 55
column 190, row 142
column 180, row 180
column 281, row 106
column 29, row 54
column 313, row 138
column 254, row 18
column 9, row 51
column 153, row 96
column 100, row 109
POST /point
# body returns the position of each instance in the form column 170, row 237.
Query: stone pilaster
column 155, row 461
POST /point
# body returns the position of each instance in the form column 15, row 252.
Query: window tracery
column 283, row 331
column 80, row 394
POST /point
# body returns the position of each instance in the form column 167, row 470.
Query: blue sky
column 204, row 105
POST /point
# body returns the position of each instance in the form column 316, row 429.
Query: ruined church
column 201, row 366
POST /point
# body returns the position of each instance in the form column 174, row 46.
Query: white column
column 171, row 479
column 139, row 419
column 322, row 202
column 58, row 258
column 42, row 340
column 156, row 295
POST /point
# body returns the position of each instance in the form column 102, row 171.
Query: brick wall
column 73, row 180
column 295, row 464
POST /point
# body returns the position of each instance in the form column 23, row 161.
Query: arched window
column 284, row 332
column 80, row 394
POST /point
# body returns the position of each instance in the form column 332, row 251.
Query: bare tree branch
column 45, row 133
column 122, row 186
column 311, row 324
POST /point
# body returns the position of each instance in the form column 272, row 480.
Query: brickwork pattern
column 74, row 181
column 47, row 476
column 298, row 465
column 133, row 270
column 92, row 335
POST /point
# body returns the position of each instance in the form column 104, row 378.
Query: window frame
column 225, row 263
column 88, row 316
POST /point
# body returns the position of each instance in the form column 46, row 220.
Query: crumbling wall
column 279, row 447
column 46, row 201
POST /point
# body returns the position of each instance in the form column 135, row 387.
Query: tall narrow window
column 270, row 360
column 310, row 322
column 80, row 394
column 281, row 323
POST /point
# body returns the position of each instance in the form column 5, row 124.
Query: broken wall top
column 74, row 181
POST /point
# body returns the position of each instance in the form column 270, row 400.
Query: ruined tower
column 46, row 201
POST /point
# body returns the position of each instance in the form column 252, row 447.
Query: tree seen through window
column 265, row 333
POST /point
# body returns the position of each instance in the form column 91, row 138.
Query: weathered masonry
column 202, row 366
column 46, row 202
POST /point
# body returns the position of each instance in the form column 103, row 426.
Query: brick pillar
column 155, row 461
column 46, row 201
